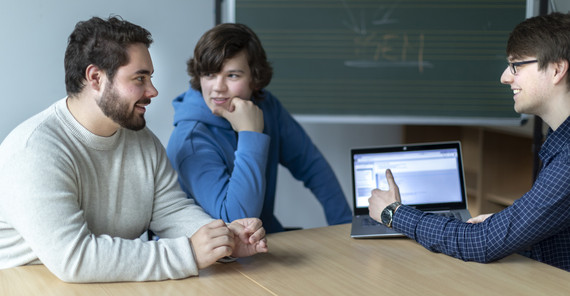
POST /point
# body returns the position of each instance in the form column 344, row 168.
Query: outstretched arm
column 479, row 219
column 306, row 163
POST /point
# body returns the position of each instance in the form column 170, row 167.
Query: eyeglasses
column 513, row 66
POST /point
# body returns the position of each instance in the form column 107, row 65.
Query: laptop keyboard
column 369, row 222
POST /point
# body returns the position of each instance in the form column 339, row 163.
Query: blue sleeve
column 307, row 164
column 541, row 213
column 204, row 173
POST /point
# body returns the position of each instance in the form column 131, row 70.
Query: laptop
column 429, row 175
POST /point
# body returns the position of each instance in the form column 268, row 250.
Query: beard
column 119, row 110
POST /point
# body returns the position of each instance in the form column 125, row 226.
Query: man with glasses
column 538, row 224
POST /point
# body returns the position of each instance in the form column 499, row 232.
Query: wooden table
column 325, row 261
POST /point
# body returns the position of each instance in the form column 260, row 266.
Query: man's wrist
column 387, row 214
column 193, row 252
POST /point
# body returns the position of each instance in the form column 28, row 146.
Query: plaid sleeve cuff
column 406, row 220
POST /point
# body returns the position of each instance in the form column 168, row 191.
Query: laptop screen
column 429, row 176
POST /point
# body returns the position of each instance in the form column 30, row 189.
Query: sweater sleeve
column 307, row 164
column 40, row 202
column 224, row 191
column 174, row 213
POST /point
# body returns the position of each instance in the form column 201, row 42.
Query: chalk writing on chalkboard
column 389, row 49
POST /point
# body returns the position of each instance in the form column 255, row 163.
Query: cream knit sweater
column 78, row 203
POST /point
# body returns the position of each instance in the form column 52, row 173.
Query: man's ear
column 94, row 77
column 560, row 71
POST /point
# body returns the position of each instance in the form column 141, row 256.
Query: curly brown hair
column 102, row 43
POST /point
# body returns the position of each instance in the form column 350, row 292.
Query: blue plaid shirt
column 536, row 225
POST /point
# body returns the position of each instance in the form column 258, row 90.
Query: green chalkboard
column 413, row 58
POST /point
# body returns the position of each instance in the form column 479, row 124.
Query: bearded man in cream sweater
column 84, row 179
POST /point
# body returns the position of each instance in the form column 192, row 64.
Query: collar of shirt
column 556, row 141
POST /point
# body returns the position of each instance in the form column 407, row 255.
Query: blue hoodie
column 233, row 179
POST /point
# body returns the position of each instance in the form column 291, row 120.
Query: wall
column 34, row 37
column 561, row 5
column 554, row 5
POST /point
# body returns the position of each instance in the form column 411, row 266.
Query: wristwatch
column 388, row 213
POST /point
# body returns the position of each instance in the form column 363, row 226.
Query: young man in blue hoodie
column 231, row 134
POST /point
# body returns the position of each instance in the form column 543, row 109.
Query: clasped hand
column 215, row 240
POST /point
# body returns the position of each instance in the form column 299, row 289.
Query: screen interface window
column 423, row 176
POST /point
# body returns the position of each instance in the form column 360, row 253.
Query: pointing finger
column 390, row 179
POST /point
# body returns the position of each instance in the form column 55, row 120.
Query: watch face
column 386, row 217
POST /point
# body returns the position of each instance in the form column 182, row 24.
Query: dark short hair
column 223, row 42
column 102, row 43
column 545, row 37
